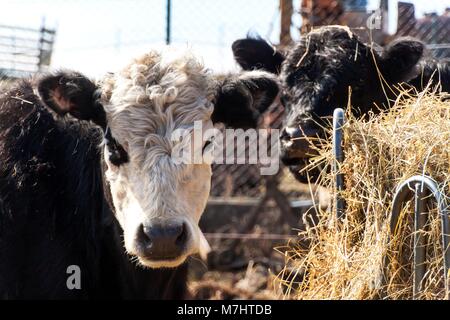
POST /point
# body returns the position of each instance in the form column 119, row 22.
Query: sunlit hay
column 347, row 260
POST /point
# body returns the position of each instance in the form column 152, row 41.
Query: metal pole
column 420, row 219
column 169, row 22
column 41, row 44
column 402, row 194
column 338, row 123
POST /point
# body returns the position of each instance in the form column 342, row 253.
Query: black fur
column 118, row 155
column 79, row 92
column 255, row 53
column 432, row 71
column 240, row 100
column 54, row 211
column 319, row 71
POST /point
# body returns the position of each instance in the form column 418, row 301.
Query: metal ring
column 403, row 192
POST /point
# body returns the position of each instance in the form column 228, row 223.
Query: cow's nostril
column 143, row 236
column 182, row 237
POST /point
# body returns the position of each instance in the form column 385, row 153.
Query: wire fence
column 377, row 24
column 99, row 36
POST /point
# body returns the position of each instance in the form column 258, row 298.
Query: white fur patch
column 145, row 103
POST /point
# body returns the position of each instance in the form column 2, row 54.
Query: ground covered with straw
column 347, row 259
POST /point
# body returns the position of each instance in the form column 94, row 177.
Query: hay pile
column 345, row 260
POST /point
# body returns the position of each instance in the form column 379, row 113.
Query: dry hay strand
column 346, row 259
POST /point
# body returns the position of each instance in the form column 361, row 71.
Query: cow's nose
column 297, row 134
column 296, row 143
column 290, row 133
column 162, row 240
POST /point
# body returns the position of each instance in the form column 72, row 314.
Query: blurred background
column 99, row 36
column 247, row 215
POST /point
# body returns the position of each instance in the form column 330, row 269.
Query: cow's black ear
column 241, row 99
column 400, row 58
column 256, row 53
column 72, row 92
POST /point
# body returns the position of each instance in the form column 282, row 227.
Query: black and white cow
column 97, row 191
column 318, row 73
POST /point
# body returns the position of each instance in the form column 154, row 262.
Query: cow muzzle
column 160, row 240
column 166, row 243
column 297, row 144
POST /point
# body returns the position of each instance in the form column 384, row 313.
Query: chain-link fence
column 433, row 29
column 385, row 21
column 99, row 36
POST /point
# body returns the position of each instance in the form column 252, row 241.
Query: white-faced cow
column 97, row 191
column 319, row 71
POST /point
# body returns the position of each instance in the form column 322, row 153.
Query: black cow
column 318, row 73
column 68, row 199
column 53, row 212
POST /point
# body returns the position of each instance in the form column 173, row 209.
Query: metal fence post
column 403, row 193
column 420, row 219
column 168, row 22
column 338, row 123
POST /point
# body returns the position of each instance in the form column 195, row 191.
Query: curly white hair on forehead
column 153, row 96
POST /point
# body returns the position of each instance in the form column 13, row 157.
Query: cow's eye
column 118, row 155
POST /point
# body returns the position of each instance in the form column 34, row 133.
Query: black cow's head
column 326, row 69
column 157, row 200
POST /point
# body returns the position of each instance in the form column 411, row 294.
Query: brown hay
column 346, row 260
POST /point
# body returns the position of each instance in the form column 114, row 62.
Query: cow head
column 325, row 70
column 157, row 201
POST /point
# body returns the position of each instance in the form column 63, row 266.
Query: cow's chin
column 161, row 264
column 144, row 261
column 169, row 262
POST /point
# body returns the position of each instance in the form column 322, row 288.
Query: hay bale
column 346, row 260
